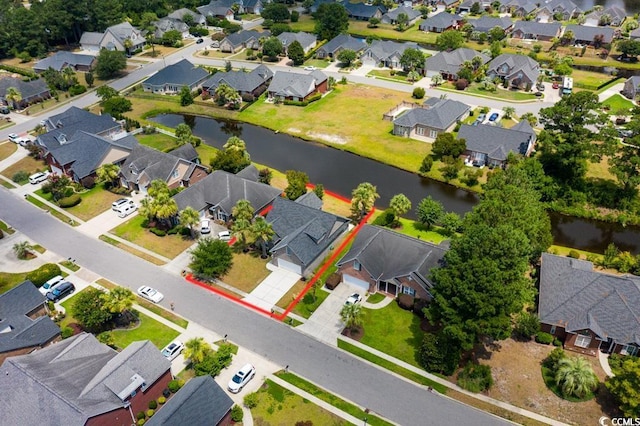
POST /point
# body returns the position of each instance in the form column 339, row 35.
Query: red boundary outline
column 312, row 281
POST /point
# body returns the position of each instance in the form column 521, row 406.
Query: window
column 583, row 341
column 175, row 173
column 408, row 290
column 553, row 330
column 419, row 131
column 628, row 350
column 433, row 134
column 356, row 265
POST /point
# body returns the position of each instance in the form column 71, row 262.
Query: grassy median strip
column 332, row 399
column 388, row 365
column 63, row 217
column 131, row 250
column 72, row 266
column 181, row 322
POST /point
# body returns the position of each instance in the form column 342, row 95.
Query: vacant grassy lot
column 280, row 406
column 27, row 164
column 6, row 149
column 168, row 246
column 147, row 329
column 158, row 141
column 589, row 79
column 393, row 331
column 617, row 103
column 247, row 272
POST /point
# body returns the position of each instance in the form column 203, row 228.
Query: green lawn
column 417, row 230
column 135, row 252
column 318, row 63
column 27, row 164
column 617, row 103
column 247, row 272
column 206, row 154
column 499, row 93
column 94, row 201
column 589, row 79
column 159, row 141
column 376, row 298
column 394, row 331
column 399, row 76
column 9, row 280
column 148, row 329
column 72, row 266
column 6, row 229
column 308, row 305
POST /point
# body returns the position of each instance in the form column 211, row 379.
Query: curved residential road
column 394, row 398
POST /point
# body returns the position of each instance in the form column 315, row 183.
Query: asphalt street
column 394, row 398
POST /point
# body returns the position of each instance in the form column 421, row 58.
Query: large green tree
column 233, row 157
column 271, row 48
column 189, row 217
column 196, row 349
column 297, row 184
column 211, row 258
column 447, row 144
column 110, row 63
column 412, row 59
column 429, row 211
column 331, row 20
column 89, row 309
column 400, row 204
column 295, row 52
column 158, row 203
column 347, row 56
column 363, row 198
column 277, row 12
column 109, row 174
column 625, row 386
column 263, row 232
column 450, row 40
column 625, row 166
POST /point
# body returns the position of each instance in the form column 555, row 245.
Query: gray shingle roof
column 439, row 116
column 73, row 380
column 450, row 62
column 249, row 173
column 17, row 330
column 224, row 190
column 384, row 49
column 122, row 31
column 182, row 73
column 240, row 80
column 361, row 10
column 91, row 38
column 26, row 88
column 409, row 11
column 635, row 33
column 200, row 402
column 524, row 126
column 305, row 231
column 487, row 23
column 62, row 58
column 495, row 141
column 242, row 37
column 516, row 64
column 73, row 120
column 440, row 20
column 613, row 11
column 575, row 297
column 386, row 255
column 538, row 28
column 310, row 199
column 186, row 152
column 287, row 84
column 343, row 41
column 179, row 14
column 584, row 33
column 149, row 162
column 305, row 39
column 169, row 24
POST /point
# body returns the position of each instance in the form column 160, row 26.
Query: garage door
column 348, row 279
column 290, row 266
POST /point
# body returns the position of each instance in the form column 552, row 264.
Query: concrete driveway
column 272, row 288
column 107, row 220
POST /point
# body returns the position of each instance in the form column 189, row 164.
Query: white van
column 126, row 209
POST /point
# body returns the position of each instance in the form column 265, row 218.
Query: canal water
column 341, row 171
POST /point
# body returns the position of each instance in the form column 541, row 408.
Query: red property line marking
column 331, row 193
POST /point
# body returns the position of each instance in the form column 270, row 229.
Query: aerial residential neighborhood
column 322, row 212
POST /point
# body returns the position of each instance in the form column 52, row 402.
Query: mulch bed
column 355, row 334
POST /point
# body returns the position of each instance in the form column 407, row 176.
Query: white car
column 353, row 299
column 310, row 68
column 241, row 378
column 115, row 206
column 126, row 209
column 13, row 137
column 205, row 226
column 51, row 284
column 38, row 177
column 150, row 294
column 172, row 350
column 224, row 235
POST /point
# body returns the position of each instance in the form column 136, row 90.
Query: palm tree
column 437, row 79
column 196, row 349
column 413, row 76
column 242, row 230
column 109, row 173
column 351, row 316
column 119, row 300
column 128, row 44
column 243, row 210
column 23, row 249
column 166, row 207
column 263, row 232
column 508, row 112
column 13, row 96
column 575, row 377
column 362, row 199
column 190, row 217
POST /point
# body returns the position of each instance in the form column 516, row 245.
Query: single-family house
column 171, row 79
column 297, row 87
column 80, row 381
column 170, row 24
column 364, row 12
column 114, row 38
column 25, row 325
column 391, row 17
column 30, row 91
column 485, row 24
column 386, row 53
column 447, row 4
column 249, row 39
column 518, row 8
column 557, row 10
column 306, row 40
column 589, row 311
column 427, row 121
column 201, row 401
column 303, row 234
column 218, row 9
column 62, row 128
column 538, row 31
column 370, row 266
column 339, row 43
column 252, row 83
column 586, row 35
column 81, row 156
column 196, row 18
column 144, row 165
column 441, row 22
column 490, row 145
column 519, row 71
column 631, row 87
column 63, row 59
column 612, row 15
column 217, row 194
column 448, row 64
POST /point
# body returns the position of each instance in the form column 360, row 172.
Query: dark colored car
column 4, row 109
column 494, row 117
column 61, row 291
column 198, row 41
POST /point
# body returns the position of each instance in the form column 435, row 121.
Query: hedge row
column 43, row 274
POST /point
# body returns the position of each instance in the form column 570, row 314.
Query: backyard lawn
column 589, row 79
column 27, row 164
column 417, row 230
column 247, row 272
column 159, row 141
column 280, row 406
column 617, row 102
column 6, row 149
column 168, row 246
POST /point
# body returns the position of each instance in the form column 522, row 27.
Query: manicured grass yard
column 206, row 154
column 6, row 149
column 393, row 331
column 158, row 141
column 417, row 230
column 247, row 272
column 168, row 246
column 9, row 280
column 148, row 329
column 499, row 93
column 27, row 164
column 94, row 201
column 318, row 63
column 280, row 406
column 617, row 102
column 131, row 250
column 400, row 76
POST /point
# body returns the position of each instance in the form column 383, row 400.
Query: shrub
column 419, row 305
column 174, row 386
column 574, row 254
column 140, row 422
column 386, row 218
column 248, row 97
column 462, row 84
column 557, row 342
column 405, row 301
column 66, row 332
column 552, row 360
column 333, row 280
column 43, row 274
column 426, row 165
column 158, row 232
column 439, row 353
column 236, row 413
column 544, row 338
column 418, row 92
column 150, row 413
column 304, row 423
column 174, row 230
column 475, row 377
column 70, row 201
column 140, row 415
column 77, row 89
column 251, row 400
column 153, row 404
column 162, row 400
column 527, row 325
column 20, row 176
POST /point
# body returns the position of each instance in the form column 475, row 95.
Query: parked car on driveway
column 172, row 350
column 150, row 294
column 310, row 68
column 205, row 226
column 51, row 284
column 13, row 137
column 241, row 378
column 480, row 119
column 36, row 178
column 4, row 109
column 493, row 117
column 224, row 235
column 115, row 206
column 61, row 291
column 353, row 299
column 555, row 85
column 198, row 41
